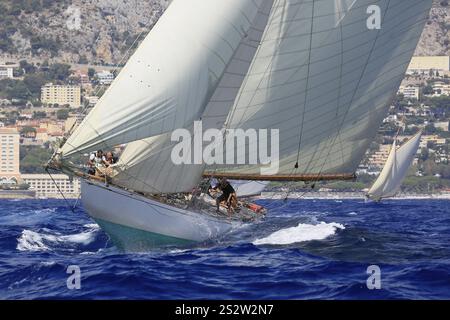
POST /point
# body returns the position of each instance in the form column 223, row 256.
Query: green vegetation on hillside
column 33, row 159
column 29, row 89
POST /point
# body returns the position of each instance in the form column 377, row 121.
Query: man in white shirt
column 96, row 162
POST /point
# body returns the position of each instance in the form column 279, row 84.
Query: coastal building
column 434, row 139
column 410, row 92
column 105, row 77
column 44, row 186
column 7, row 70
column 423, row 65
column 9, row 158
column 441, row 88
column 378, row 158
column 92, row 100
column 444, row 125
column 61, row 95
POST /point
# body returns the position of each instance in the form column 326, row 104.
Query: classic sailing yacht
column 313, row 69
column 394, row 171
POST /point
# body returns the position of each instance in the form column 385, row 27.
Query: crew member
column 228, row 195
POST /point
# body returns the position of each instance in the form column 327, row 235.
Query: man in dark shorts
column 228, row 193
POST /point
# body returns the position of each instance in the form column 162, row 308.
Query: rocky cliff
column 101, row 31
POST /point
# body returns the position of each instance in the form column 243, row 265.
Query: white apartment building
column 9, row 155
column 45, row 187
column 61, row 95
column 105, row 77
column 7, row 70
column 410, row 92
column 441, row 88
column 431, row 63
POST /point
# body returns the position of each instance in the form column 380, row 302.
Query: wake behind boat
column 311, row 72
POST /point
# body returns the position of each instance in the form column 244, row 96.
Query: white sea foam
column 35, row 241
column 301, row 233
column 31, row 241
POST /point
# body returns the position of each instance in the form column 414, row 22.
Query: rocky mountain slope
column 436, row 36
column 101, row 31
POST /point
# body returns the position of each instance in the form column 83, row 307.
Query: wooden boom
column 301, row 177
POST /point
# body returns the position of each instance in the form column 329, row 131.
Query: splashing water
column 301, row 233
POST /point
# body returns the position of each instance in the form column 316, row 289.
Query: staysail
column 395, row 170
column 171, row 77
column 146, row 165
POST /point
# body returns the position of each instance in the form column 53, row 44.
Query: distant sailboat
column 394, row 172
column 310, row 68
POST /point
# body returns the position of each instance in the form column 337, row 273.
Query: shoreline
column 347, row 196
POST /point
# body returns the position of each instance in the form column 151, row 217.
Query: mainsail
column 310, row 68
column 395, row 170
column 325, row 86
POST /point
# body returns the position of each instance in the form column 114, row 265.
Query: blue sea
column 304, row 249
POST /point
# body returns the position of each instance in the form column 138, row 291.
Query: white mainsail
column 326, row 87
column 171, row 77
column 394, row 172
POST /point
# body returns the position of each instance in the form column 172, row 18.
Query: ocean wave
column 301, row 233
column 35, row 241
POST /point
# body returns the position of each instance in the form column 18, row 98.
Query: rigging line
column 60, row 191
column 307, row 84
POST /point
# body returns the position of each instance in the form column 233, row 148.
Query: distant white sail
column 326, row 87
column 395, row 170
column 171, row 77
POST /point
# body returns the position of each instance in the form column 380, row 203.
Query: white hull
column 135, row 222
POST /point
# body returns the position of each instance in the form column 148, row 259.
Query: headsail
column 171, row 77
column 395, row 170
column 146, row 165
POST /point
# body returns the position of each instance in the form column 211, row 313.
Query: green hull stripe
column 132, row 239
